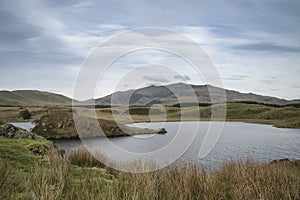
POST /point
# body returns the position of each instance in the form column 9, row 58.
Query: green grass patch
column 15, row 151
column 143, row 111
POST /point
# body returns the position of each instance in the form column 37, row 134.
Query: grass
column 284, row 117
column 142, row 111
column 16, row 164
column 16, row 153
column 78, row 176
column 82, row 158
column 24, row 175
column 48, row 181
column 11, row 113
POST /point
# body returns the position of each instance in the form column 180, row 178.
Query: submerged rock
column 162, row 131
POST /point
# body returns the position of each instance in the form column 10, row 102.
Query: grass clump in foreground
column 79, row 176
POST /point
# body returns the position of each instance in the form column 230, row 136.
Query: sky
column 254, row 45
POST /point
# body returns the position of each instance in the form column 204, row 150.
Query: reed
column 49, row 180
column 60, row 177
column 234, row 180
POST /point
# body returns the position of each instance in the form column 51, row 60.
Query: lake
column 25, row 125
column 238, row 141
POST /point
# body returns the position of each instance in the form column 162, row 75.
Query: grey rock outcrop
column 11, row 131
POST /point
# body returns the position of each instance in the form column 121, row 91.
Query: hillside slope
column 33, row 98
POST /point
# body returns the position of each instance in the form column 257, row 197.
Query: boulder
column 11, row 131
column 162, row 131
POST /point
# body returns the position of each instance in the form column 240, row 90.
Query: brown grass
column 48, row 183
column 82, row 158
column 283, row 117
column 4, row 179
column 58, row 178
column 246, row 180
column 232, row 181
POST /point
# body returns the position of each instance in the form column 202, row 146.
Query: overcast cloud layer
column 255, row 45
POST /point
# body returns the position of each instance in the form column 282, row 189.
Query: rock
column 280, row 160
column 162, row 131
column 47, row 147
column 10, row 131
column 59, row 125
column 35, row 150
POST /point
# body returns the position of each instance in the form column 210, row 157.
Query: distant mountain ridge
column 144, row 96
column 162, row 95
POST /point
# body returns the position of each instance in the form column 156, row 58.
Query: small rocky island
column 59, row 125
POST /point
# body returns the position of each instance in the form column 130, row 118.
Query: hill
column 164, row 95
column 33, row 98
column 143, row 96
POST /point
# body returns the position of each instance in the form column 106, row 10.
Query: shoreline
column 253, row 121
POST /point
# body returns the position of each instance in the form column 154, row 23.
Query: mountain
column 164, row 95
column 33, row 98
column 144, row 96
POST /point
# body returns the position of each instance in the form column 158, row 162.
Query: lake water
column 238, row 141
column 25, row 125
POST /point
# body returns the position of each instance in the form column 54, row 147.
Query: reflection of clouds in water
column 257, row 140
column 144, row 136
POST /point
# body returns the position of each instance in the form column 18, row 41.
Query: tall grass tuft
column 48, row 181
column 4, row 179
column 83, row 158
column 4, row 172
column 233, row 181
column 60, row 179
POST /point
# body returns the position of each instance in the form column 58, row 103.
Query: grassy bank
column 80, row 176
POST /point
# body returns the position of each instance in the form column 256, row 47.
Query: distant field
column 288, row 116
column 11, row 114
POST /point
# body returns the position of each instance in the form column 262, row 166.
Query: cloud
column 182, row 78
column 269, row 47
column 270, row 80
column 42, row 36
column 15, row 30
column 235, row 77
column 36, row 34
column 83, row 4
column 158, row 79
